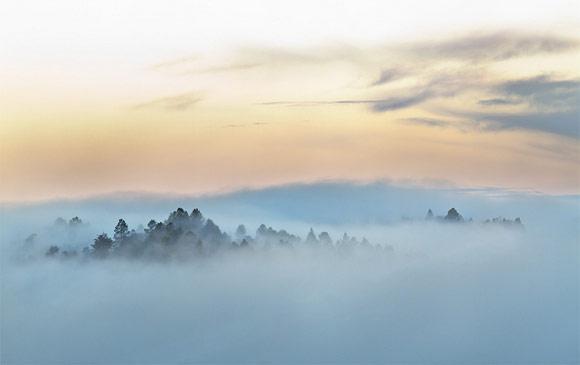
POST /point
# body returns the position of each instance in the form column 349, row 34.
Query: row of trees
column 453, row 216
column 185, row 235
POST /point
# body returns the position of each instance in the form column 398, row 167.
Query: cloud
column 243, row 125
column 553, row 106
column 230, row 67
column 175, row 62
column 440, row 86
column 388, row 75
column 552, row 103
column 561, row 123
column 488, row 47
column 400, row 102
column 564, row 123
column 180, row 102
column 246, row 58
column 543, row 91
column 498, row 101
column 376, row 105
column 429, row 122
column 493, row 47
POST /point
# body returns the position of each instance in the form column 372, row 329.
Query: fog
column 422, row 292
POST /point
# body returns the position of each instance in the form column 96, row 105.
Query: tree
column 453, row 215
column 151, row 225
column 196, row 219
column 121, row 230
column 52, row 251
column 324, row 238
column 211, row 232
column 429, row 215
column 179, row 218
column 102, row 245
column 196, row 214
column 241, row 231
column 311, row 238
column 262, row 230
column 75, row 221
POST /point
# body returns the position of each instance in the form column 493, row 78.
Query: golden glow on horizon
column 201, row 157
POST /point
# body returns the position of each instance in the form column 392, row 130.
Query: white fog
column 421, row 291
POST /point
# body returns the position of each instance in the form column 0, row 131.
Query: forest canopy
column 188, row 235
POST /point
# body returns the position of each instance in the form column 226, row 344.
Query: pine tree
column 102, row 245
column 121, row 230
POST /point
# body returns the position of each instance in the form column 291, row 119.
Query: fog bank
column 446, row 293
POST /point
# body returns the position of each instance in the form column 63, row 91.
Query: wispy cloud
column 179, row 102
column 247, row 58
column 554, row 106
column 498, row 101
column 492, row 47
column 488, row 47
column 228, row 67
column 562, row 123
column 376, row 105
column 403, row 102
column 244, row 125
column 388, row 75
column 430, row 122
column 438, row 86
column 543, row 91
column 175, row 62
column 544, row 103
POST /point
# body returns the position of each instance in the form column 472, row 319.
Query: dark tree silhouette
column 453, row 215
column 311, row 238
column 429, row 215
column 102, row 245
column 75, row 221
column 52, row 251
column 211, row 232
column 151, row 225
column 196, row 219
column 196, row 214
column 121, row 230
column 180, row 213
column 179, row 218
column 241, row 231
column 324, row 238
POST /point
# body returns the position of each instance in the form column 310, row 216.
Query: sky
column 200, row 96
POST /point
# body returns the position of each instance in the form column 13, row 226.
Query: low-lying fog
column 422, row 292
